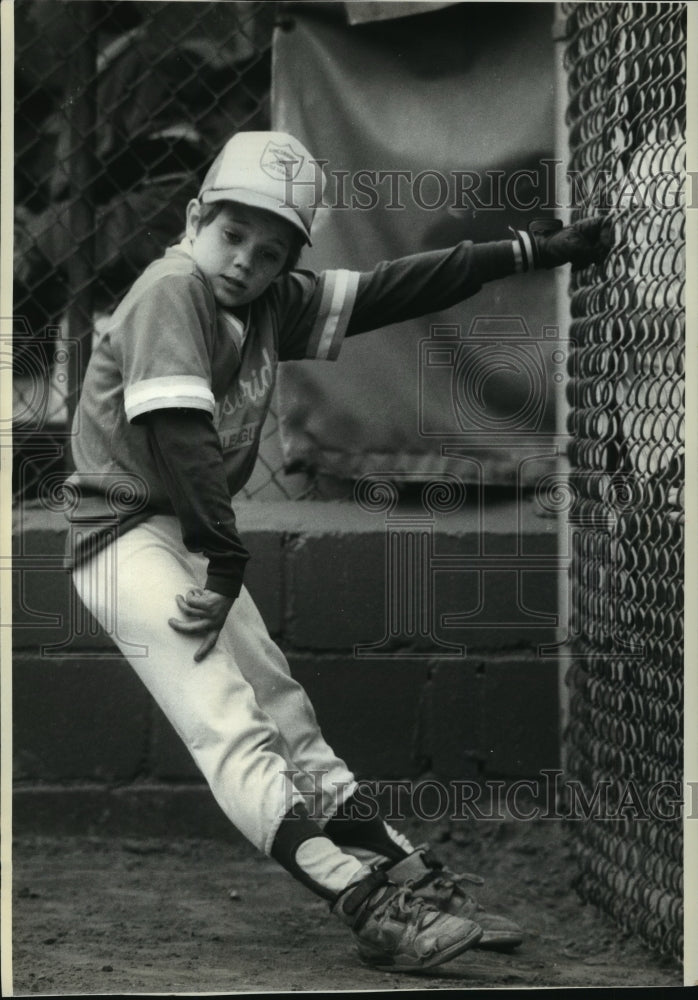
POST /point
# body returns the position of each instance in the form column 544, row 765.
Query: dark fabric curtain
column 468, row 88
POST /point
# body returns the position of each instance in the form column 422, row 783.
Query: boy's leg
column 325, row 780
column 328, row 785
column 130, row 588
column 315, row 769
column 131, row 585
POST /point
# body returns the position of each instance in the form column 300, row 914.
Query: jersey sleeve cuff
column 338, row 294
column 167, row 392
column 227, row 585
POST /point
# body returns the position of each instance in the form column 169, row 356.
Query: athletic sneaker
column 396, row 931
column 429, row 880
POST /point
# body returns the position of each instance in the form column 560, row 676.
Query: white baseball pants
column 242, row 716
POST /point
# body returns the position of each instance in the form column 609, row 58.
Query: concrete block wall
column 92, row 750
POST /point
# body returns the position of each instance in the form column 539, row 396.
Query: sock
column 373, row 835
column 301, row 847
column 321, row 861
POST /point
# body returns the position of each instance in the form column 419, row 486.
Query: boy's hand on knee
column 204, row 614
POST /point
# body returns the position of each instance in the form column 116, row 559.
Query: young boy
column 167, row 431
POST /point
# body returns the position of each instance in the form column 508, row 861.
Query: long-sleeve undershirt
column 187, row 454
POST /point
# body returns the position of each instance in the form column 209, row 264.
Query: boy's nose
column 242, row 259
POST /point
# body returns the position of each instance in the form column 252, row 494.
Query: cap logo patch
column 280, row 162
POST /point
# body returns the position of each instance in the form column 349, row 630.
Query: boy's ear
column 193, row 216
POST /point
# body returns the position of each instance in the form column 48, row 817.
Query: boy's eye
column 231, row 237
column 270, row 255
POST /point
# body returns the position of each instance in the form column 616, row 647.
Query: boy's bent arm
column 186, row 451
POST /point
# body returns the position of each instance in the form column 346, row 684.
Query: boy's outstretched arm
column 186, row 451
column 421, row 283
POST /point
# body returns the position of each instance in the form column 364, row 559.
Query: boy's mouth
column 234, row 283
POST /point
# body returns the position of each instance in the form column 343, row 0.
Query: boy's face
column 241, row 251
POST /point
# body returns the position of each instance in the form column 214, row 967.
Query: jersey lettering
column 249, row 390
column 240, row 438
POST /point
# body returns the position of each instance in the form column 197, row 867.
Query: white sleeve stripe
column 168, row 391
column 168, row 403
column 528, row 247
column 328, row 284
column 328, row 330
column 335, row 316
column 518, row 258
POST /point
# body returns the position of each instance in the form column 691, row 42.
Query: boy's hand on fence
column 583, row 243
column 204, row 614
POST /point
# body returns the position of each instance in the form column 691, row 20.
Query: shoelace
column 404, row 906
column 441, row 876
column 437, row 866
column 452, row 883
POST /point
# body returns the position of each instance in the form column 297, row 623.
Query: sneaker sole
column 394, row 963
column 499, row 941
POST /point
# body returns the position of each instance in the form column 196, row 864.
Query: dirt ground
column 100, row 916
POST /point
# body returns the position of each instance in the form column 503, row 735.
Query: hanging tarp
column 433, row 128
column 364, row 11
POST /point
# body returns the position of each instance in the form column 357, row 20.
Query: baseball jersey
column 169, row 346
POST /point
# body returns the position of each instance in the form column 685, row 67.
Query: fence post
column 81, row 110
column 561, row 193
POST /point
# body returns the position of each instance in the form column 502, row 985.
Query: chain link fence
column 626, row 66
column 120, row 107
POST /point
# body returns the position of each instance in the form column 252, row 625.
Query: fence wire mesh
column 626, row 68
column 120, row 107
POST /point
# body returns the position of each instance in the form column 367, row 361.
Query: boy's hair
column 210, row 211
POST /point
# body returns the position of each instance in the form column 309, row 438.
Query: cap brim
column 255, row 200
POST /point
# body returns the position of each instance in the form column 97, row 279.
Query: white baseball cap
column 269, row 170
